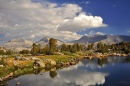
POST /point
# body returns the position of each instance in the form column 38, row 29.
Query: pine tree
column 34, row 49
column 52, row 45
column 63, row 47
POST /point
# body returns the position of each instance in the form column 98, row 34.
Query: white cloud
column 92, row 33
column 26, row 19
column 100, row 33
column 81, row 22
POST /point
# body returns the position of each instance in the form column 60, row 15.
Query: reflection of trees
column 127, row 59
column 102, row 61
column 37, row 71
column 53, row 74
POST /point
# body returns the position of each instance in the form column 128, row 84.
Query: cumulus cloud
column 81, row 22
column 100, row 33
column 30, row 20
column 92, row 33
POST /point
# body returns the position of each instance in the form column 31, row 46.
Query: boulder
column 39, row 64
column 20, row 58
column 53, row 63
column 1, row 65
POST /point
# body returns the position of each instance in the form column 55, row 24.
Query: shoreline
column 37, row 64
column 47, row 65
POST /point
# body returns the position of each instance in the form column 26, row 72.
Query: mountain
column 107, row 39
column 44, row 41
column 18, row 44
column 21, row 44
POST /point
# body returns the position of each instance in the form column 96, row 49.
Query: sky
column 62, row 19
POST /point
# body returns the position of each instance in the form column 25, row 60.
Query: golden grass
column 57, row 57
column 28, row 63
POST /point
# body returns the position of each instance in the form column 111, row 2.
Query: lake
column 111, row 71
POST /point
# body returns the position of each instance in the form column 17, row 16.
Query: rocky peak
column 45, row 39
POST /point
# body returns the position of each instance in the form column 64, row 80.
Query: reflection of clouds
column 83, row 78
column 94, row 66
column 70, row 76
column 73, row 67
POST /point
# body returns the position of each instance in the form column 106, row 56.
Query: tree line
column 5, row 52
column 52, row 48
column 122, row 47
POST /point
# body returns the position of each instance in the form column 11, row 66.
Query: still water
column 112, row 71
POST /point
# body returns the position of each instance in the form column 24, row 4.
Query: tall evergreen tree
column 52, row 45
column 34, row 49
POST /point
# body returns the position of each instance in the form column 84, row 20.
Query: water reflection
column 82, row 77
column 71, row 76
column 105, row 61
column 86, row 73
column 53, row 74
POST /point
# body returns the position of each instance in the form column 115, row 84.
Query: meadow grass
column 26, row 66
column 58, row 57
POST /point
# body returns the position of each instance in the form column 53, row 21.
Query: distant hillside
column 18, row 44
column 21, row 44
column 107, row 39
column 44, row 41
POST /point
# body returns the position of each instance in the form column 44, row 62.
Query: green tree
column 9, row 52
column 24, row 52
column 34, row 49
column 45, row 50
column 63, row 47
column 2, row 52
column 52, row 45
column 39, row 49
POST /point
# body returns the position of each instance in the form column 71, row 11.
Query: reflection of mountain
column 71, row 76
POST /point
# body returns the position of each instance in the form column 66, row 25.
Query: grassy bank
column 58, row 57
column 27, row 65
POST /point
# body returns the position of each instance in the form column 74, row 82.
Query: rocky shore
column 100, row 55
column 37, row 64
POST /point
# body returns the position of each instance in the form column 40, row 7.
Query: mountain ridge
column 45, row 40
column 20, row 44
column 106, row 39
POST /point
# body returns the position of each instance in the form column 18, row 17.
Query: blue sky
column 63, row 19
column 115, row 13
